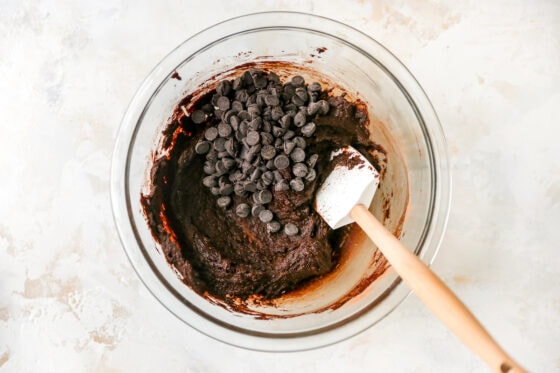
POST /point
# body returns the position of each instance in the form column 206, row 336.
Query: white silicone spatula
column 343, row 198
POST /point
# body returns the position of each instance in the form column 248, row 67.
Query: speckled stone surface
column 71, row 302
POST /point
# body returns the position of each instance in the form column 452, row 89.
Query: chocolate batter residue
column 229, row 257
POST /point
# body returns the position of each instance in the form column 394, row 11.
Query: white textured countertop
column 71, row 302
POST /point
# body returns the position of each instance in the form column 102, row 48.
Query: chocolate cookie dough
column 209, row 233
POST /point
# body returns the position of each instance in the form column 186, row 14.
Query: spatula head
column 352, row 181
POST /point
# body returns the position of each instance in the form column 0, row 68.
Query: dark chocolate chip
column 224, row 129
column 271, row 100
column 277, row 131
column 209, row 167
column 267, row 177
column 270, row 165
column 268, row 152
column 266, row 138
column 212, row 155
column 313, row 108
column 300, row 119
column 224, row 87
column 209, row 181
column 302, row 93
column 299, row 170
column 288, row 135
column 230, row 147
column 296, row 100
column 250, row 186
column 309, row 129
column 298, row 81
column 281, row 161
column 223, row 103
column 236, row 106
column 243, row 210
column 220, row 144
column 297, row 184
column 228, row 162
column 226, row 189
column 277, row 176
column 241, row 95
column 253, row 137
column 198, row 116
column 256, row 174
column 239, row 190
column 278, row 144
column 238, row 83
column 297, row 155
column 261, row 185
column 211, row 133
column 256, row 209
column 202, row 147
column 311, row 175
column 267, row 126
column 289, row 146
column 291, row 229
column 253, row 110
column 255, row 124
column 266, row 216
column 273, row 226
column 312, row 160
column 314, row 87
column 300, row 142
column 276, row 113
column 286, row 121
column 264, row 197
column 215, row 191
column 220, row 168
column 323, row 107
column 224, row 202
column 227, row 116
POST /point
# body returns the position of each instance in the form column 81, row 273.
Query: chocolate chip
column 230, row 147
column 224, row 87
column 273, row 226
column 282, row 186
column 261, row 185
column 267, row 177
column 264, row 197
column 288, row 135
column 278, row 144
column 314, row 87
column 255, row 124
column 313, row 108
column 308, row 129
column 209, row 181
column 323, row 107
column 296, row 100
column 298, row 81
column 228, row 162
column 220, row 144
column 266, row 216
column 289, row 146
column 276, row 113
column 212, row 155
column 256, row 210
column 286, row 121
column 312, row 160
column 266, row 138
column 256, row 174
column 236, row 106
column 300, row 142
column 224, row 129
column 271, row 100
column 202, row 147
column 238, row 83
column 297, row 155
column 224, row 202
column 267, row 126
column 243, row 210
column 223, row 154
column 244, row 115
column 239, row 190
column 291, row 229
column 253, row 110
column 302, row 93
column 215, row 191
column 209, row 167
column 223, row 103
column 250, row 186
column 299, row 170
column 253, row 137
column 241, row 95
column 226, row 189
column 211, row 133
column 227, row 116
column 300, row 119
column 273, row 77
column 311, row 175
column 277, row 131
column 281, row 161
column 268, row 152
column 220, row 168
column 297, row 184
column 198, row 116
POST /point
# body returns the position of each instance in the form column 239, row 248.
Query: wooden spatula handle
column 435, row 294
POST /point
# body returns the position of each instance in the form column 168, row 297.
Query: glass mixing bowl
column 413, row 199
